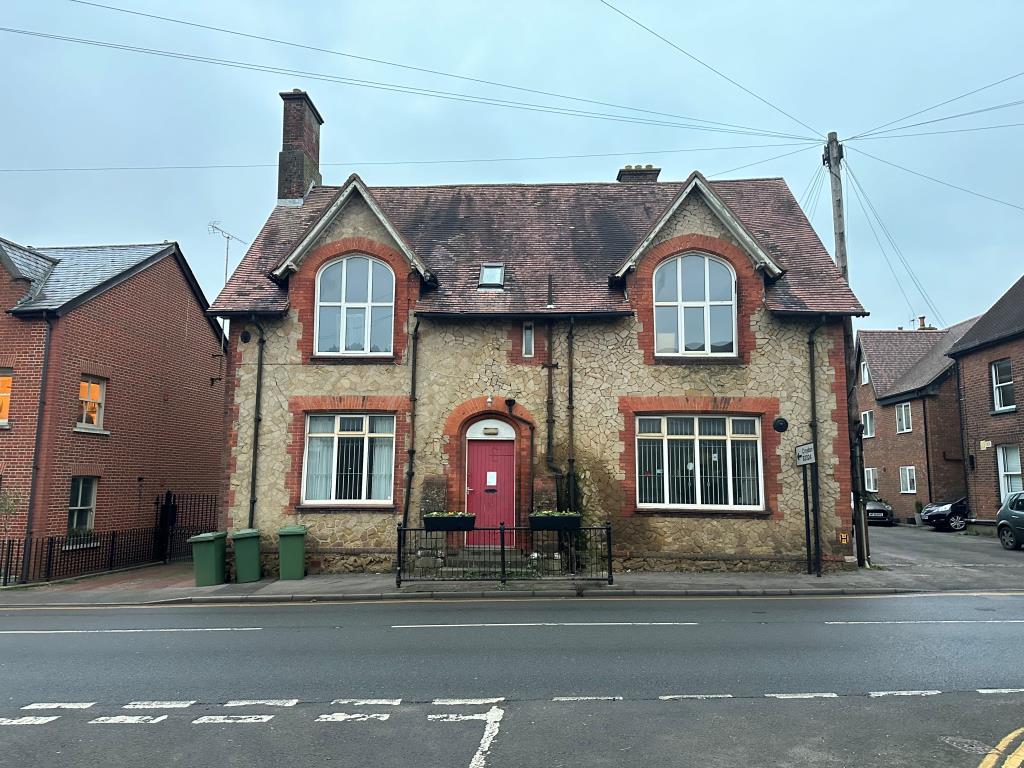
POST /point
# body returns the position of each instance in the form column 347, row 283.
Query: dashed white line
column 262, row 703
column 586, row 698
column 701, row 696
column 492, row 718
column 467, row 702
column 28, row 720
column 369, row 702
column 879, row 694
column 231, row 719
column 551, row 624
column 128, row 720
column 61, row 705
column 356, row 717
column 1000, row 690
column 802, row 695
column 123, row 631
column 158, row 705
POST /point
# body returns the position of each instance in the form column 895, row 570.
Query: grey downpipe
column 34, row 482
column 411, row 451
column 257, row 417
column 815, row 481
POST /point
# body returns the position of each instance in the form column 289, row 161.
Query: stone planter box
column 450, row 523
column 555, row 522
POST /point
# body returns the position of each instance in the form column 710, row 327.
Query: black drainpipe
column 510, row 403
column 411, row 452
column 33, row 483
column 815, row 483
column 551, row 366
column 571, row 413
column 256, row 419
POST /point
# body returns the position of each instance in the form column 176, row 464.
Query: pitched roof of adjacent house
column 1004, row 320
column 25, row 263
column 580, row 234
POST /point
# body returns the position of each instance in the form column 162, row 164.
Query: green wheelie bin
column 247, row 555
column 292, row 548
column 208, row 557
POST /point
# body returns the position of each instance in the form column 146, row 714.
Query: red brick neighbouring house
column 620, row 348
column 132, row 400
column 990, row 358
column 906, row 393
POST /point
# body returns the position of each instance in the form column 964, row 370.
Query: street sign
column 805, row 454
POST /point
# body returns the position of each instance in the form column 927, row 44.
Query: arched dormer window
column 355, row 307
column 695, row 307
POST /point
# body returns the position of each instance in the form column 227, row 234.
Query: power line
column 384, row 86
column 351, row 163
column 815, row 196
column 711, row 68
column 886, row 135
column 939, row 181
column 805, row 196
column 410, row 67
column 759, row 162
column 992, row 108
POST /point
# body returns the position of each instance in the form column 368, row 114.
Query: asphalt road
column 905, row 546
column 915, row 681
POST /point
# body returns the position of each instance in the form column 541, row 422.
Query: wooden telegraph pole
column 833, row 161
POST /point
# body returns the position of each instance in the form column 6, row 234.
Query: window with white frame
column 699, row 462
column 865, row 374
column 908, row 479
column 903, row 420
column 527, row 339
column 6, row 384
column 355, row 307
column 1002, row 386
column 349, row 458
column 492, row 276
column 867, row 418
column 694, row 307
column 82, row 506
column 91, row 397
column 871, row 479
column 1010, row 480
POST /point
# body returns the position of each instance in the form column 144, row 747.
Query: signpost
column 805, row 457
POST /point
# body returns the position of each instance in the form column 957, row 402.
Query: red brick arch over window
column 455, row 428
column 749, row 294
column 302, row 295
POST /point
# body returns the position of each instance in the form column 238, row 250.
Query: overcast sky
column 846, row 67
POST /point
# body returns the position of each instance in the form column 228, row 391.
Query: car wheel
column 1008, row 538
column 956, row 521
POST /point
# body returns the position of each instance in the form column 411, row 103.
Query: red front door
column 490, row 488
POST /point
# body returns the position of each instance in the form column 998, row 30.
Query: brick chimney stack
column 636, row 174
column 298, row 167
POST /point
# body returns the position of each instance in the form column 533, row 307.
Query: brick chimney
column 635, row 174
column 298, row 165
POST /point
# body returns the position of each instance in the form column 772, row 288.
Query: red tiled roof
column 578, row 233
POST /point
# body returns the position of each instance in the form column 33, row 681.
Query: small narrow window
column 492, row 276
column 908, row 479
column 871, row 479
column 867, row 418
column 1002, row 386
column 82, row 506
column 865, row 374
column 903, row 418
column 527, row 339
column 91, row 395
column 6, row 384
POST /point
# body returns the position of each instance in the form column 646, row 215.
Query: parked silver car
column 1010, row 521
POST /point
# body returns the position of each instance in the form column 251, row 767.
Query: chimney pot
column 920, row 322
column 298, row 167
column 638, row 174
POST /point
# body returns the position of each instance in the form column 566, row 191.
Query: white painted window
column 699, row 462
column 1010, row 480
column 695, row 307
column 492, row 276
column 6, row 384
column 867, row 418
column 349, row 458
column 865, row 374
column 908, row 479
column 903, row 419
column 871, row 479
column 355, row 308
column 1002, row 386
column 92, row 394
column 82, row 506
column 527, row 339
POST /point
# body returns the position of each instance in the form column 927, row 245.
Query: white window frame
column 344, row 305
column 337, row 434
column 865, row 373
column 871, row 479
column 908, row 480
column 101, row 404
column 866, row 418
column 528, row 333
column 998, row 386
column 908, row 422
column 706, row 303
column 729, row 437
column 1002, row 451
column 79, row 505
column 6, row 397
column 492, row 285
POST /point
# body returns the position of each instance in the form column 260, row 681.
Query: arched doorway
column 490, row 478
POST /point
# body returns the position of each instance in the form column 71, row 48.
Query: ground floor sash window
column 349, row 458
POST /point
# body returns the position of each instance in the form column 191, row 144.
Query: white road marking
column 930, row 621
column 1000, row 690
column 28, row 720
column 551, row 624
column 128, row 720
column 587, row 698
column 225, row 719
column 123, row 631
column 358, row 717
column 467, row 702
column 879, row 694
column 492, row 718
column 369, row 702
column 61, row 705
column 676, row 696
column 158, row 705
column 802, row 695
column 262, row 703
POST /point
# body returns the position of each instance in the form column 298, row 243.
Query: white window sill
column 904, row 431
column 867, row 437
column 908, row 493
column 91, row 430
column 1007, row 409
column 5, row 425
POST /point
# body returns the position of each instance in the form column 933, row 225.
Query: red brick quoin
column 455, row 428
column 749, row 294
column 765, row 407
column 302, row 295
column 298, row 407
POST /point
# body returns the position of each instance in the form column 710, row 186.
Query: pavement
column 906, row 559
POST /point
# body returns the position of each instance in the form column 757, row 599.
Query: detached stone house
column 111, row 386
column 620, row 348
column 908, row 400
column 991, row 362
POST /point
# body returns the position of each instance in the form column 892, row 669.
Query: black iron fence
column 504, row 554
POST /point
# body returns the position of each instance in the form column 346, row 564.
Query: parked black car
column 880, row 512
column 1010, row 521
column 951, row 515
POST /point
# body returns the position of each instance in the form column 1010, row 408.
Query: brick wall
column 945, row 446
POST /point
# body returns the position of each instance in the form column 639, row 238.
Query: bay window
column 349, row 458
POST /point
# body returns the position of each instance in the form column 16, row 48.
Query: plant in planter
column 449, row 521
column 553, row 520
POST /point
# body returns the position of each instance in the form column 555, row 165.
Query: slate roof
column 933, row 363
column 1004, row 320
column 26, row 263
column 579, row 233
